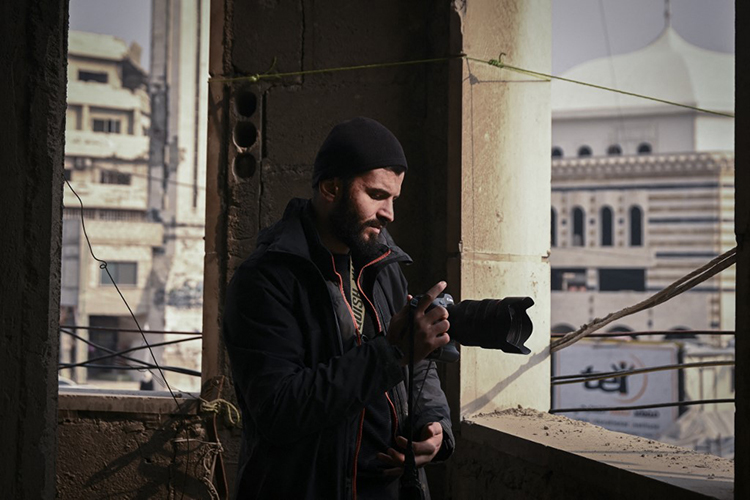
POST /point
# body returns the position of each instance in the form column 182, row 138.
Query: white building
column 642, row 191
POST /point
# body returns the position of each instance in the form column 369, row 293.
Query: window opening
column 114, row 177
column 584, row 151
column 107, row 126
column 644, row 148
column 553, row 229
column 606, row 216
column 614, row 150
column 128, row 217
column 617, row 280
column 569, row 280
column 124, row 273
column 579, row 232
column 557, row 152
column 93, row 76
column 636, row 226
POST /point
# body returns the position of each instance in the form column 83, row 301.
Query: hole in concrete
column 244, row 165
column 246, row 102
column 245, row 134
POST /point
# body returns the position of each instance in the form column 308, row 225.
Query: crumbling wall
column 268, row 138
column 32, row 106
column 106, row 454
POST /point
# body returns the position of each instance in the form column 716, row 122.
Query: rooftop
column 668, row 68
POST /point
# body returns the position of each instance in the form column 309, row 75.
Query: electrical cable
column 643, row 407
column 574, row 379
column 498, row 63
column 103, row 265
column 113, row 353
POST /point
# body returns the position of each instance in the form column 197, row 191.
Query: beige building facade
column 106, row 162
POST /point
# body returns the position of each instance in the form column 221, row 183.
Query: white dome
column 669, row 68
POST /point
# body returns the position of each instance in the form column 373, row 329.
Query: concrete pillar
column 499, row 236
column 86, row 118
column 33, row 41
column 742, row 230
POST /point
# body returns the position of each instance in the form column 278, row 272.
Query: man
column 317, row 325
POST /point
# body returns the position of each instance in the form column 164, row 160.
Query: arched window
column 620, row 329
column 584, row 151
column 562, row 328
column 553, row 229
column 644, row 148
column 579, row 231
column 636, row 226
column 614, row 150
column 557, row 152
column 606, row 217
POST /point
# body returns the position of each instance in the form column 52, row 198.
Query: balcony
column 101, row 145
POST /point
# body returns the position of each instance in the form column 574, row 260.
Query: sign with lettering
column 590, row 357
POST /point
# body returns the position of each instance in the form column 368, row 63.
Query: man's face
column 365, row 208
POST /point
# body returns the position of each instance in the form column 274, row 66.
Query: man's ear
column 330, row 189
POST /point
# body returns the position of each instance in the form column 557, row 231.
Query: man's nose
column 386, row 211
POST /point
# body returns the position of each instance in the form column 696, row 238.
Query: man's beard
column 346, row 226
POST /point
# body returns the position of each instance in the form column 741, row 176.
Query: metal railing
column 106, row 358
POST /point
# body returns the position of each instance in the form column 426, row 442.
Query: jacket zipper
column 362, row 414
column 359, row 342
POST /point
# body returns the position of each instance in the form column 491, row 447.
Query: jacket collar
column 295, row 234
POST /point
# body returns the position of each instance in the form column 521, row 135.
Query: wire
column 121, row 354
column 654, row 332
column 574, row 379
column 498, row 63
column 103, row 265
column 643, row 407
column 127, row 330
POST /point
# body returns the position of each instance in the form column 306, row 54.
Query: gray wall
column 742, row 228
column 32, row 105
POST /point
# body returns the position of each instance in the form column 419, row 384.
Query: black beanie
column 356, row 146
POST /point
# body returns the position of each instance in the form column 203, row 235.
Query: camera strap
column 411, row 487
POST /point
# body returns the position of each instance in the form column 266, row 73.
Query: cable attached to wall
column 271, row 73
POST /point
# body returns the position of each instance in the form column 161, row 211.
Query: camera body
column 489, row 323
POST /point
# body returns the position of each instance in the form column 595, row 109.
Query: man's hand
column 424, row 450
column 429, row 327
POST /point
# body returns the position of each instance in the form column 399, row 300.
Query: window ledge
column 581, row 453
column 121, row 401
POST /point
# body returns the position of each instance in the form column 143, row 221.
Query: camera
column 490, row 323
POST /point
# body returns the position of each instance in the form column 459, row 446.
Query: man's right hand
column 429, row 327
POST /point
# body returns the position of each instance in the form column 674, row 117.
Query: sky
column 126, row 19
column 579, row 32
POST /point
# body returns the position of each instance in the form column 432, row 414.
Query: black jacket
column 302, row 396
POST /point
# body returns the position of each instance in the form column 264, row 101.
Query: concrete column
column 499, row 237
column 742, row 230
column 86, row 118
column 33, row 41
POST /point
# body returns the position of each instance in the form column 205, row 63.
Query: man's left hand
column 425, row 450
